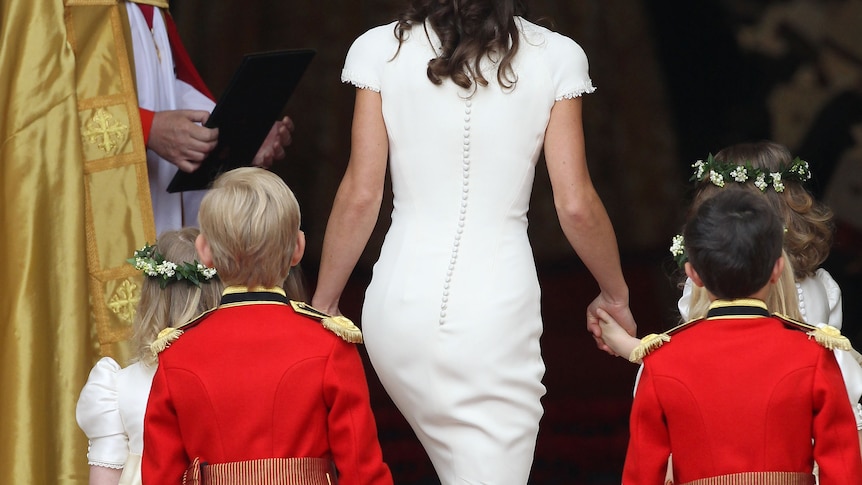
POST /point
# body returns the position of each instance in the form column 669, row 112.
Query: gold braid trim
column 830, row 337
column 168, row 335
column 648, row 344
column 164, row 340
column 337, row 324
column 825, row 335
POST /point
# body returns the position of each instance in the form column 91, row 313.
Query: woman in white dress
column 460, row 97
column 111, row 407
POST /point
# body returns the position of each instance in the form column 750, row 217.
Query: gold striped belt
column 757, row 478
column 267, row 471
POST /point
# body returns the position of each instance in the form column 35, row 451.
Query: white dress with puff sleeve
column 451, row 318
column 110, row 411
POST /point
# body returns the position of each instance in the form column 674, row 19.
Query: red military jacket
column 254, row 379
column 740, row 392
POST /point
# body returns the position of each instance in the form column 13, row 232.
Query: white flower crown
column 719, row 173
column 153, row 264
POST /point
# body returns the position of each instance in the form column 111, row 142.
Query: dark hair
column 809, row 222
column 468, row 30
column 733, row 241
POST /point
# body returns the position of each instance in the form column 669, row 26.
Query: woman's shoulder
column 367, row 56
column 377, row 37
column 558, row 55
column 542, row 37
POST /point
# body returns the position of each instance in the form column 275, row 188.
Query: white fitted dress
column 452, row 315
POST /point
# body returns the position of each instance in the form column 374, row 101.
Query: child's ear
column 202, row 246
column 691, row 273
column 299, row 250
column 777, row 270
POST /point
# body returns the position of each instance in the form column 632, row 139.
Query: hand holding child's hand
column 615, row 336
column 619, row 311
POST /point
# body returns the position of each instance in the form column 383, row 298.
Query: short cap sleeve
column 570, row 68
column 99, row 417
column 368, row 55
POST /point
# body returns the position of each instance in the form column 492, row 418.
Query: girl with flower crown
column 805, row 291
column 110, row 410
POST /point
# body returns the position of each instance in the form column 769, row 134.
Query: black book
column 252, row 102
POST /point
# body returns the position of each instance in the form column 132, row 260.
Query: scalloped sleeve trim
column 350, row 77
column 585, row 88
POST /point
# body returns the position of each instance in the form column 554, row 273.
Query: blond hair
column 178, row 303
column 250, row 219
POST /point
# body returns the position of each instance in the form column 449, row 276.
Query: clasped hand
column 618, row 310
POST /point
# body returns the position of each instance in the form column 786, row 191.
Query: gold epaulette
column 655, row 340
column 826, row 335
column 337, row 324
column 167, row 336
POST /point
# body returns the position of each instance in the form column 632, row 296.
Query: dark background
column 676, row 80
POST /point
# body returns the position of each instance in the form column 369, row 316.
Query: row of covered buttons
column 462, row 216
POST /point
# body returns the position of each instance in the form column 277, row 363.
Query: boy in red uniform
column 262, row 389
column 738, row 396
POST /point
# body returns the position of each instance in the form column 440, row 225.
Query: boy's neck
column 252, row 289
column 761, row 295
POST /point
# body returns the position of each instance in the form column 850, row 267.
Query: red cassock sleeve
column 352, row 429
column 836, row 450
column 165, row 459
column 146, row 123
column 649, row 442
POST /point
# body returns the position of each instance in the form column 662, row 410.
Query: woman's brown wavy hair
column 468, row 30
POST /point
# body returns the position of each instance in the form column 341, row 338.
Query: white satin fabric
column 111, row 410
